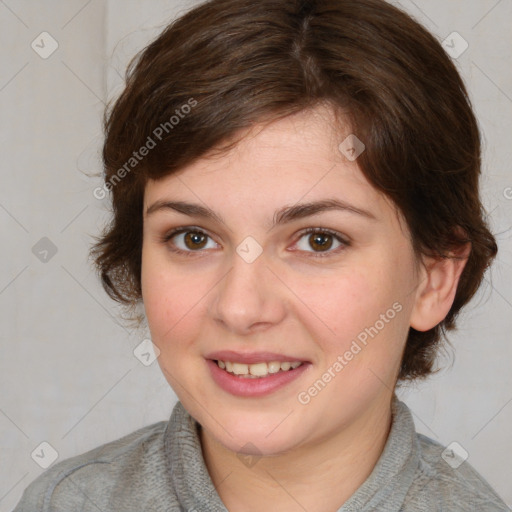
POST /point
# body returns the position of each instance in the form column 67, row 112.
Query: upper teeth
column 257, row 369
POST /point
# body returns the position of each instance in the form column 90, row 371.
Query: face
column 250, row 284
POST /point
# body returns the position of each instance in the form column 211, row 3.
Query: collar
column 384, row 490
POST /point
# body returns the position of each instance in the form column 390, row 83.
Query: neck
column 319, row 476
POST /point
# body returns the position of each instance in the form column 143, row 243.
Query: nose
column 249, row 298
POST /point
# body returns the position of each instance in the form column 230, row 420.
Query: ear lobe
column 437, row 288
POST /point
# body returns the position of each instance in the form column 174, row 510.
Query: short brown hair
column 238, row 62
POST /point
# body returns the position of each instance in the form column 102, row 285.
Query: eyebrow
column 281, row 216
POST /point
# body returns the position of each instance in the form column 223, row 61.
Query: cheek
column 175, row 302
column 156, row 293
column 362, row 313
column 345, row 304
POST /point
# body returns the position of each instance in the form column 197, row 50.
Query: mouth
column 254, row 374
column 257, row 370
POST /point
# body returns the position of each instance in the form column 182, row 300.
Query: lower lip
column 244, row 386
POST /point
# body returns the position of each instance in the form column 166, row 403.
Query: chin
column 257, row 445
column 252, row 436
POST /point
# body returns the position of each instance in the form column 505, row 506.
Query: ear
column 438, row 281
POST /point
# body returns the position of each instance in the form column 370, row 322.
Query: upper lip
column 251, row 357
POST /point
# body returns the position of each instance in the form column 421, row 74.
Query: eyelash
column 190, row 229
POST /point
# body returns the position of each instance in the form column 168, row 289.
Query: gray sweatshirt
column 160, row 468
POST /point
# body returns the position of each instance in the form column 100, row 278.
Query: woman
column 295, row 204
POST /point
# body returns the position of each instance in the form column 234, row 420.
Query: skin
column 310, row 456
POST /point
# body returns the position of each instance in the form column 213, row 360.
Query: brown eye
column 320, row 241
column 187, row 241
column 195, row 240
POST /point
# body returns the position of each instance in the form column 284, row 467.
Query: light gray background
column 68, row 375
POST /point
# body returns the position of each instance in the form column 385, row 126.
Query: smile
column 256, row 376
column 257, row 370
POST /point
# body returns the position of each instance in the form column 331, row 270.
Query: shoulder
column 92, row 480
column 447, row 481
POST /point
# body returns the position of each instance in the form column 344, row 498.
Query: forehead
column 290, row 160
